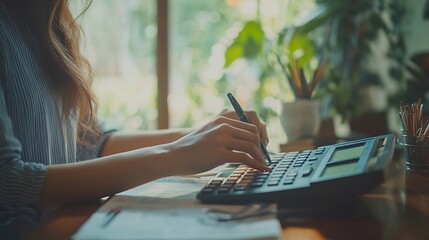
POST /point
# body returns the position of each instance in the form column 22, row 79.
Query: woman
column 48, row 126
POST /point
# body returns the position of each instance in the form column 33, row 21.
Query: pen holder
column 416, row 152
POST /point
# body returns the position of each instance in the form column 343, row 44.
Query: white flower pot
column 301, row 119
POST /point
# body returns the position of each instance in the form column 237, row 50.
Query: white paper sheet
column 168, row 209
column 155, row 218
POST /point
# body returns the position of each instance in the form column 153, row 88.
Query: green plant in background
column 344, row 33
column 294, row 57
column 251, row 44
column 412, row 77
column 248, row 44
column 270, row 54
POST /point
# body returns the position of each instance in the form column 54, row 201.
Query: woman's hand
column 253, row 118
column 224, row 139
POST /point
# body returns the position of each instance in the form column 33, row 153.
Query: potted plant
column 285, row 59
column 293, row 56
column 345, row 33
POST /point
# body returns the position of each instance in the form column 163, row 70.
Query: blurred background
column 376, row 54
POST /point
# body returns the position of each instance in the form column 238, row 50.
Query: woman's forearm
column 125, row 141
column 107, row 175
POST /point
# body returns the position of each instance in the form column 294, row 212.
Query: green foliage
column 294, row 43
column 248, row 43
column 412, row 81
column 252, row 44
column 343, row 32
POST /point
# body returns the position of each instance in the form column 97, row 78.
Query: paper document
column 152, row 218
column 183, row 187
column 167, row 208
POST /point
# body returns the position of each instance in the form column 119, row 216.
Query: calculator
column 325, row 174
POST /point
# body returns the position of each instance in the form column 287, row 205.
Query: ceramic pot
column 301, row 119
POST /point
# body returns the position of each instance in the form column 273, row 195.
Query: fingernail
column 265, row 167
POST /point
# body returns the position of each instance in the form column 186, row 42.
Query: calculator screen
column 343, row 160
column 339, row 169
column 347, row 153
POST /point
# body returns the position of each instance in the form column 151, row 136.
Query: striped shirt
column 32, row 132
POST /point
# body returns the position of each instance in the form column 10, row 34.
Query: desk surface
column 398, row 209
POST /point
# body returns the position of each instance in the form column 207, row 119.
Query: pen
column 244, row 118
column 110, row 216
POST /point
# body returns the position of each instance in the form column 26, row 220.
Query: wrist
column 176, row 159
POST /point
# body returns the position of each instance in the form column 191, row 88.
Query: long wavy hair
column 73, row 78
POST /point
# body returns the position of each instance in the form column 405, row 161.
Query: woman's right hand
column 220, row 141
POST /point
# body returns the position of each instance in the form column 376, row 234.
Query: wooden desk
column 398, row 209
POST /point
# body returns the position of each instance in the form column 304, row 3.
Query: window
column 120, row 42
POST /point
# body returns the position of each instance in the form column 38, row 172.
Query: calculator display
column 339, row 169
column 347, row 153
column 343, row 161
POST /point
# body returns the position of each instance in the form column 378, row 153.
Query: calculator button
column 249, row 178
column 216, row 182
column 290, row 178
column 312, row 158
column 288, row 182
column 239, row 188
column 273, row 183
column 231, row 180
column 234, row 175
column 257, row 184
column 281, row 169
column 275, row 178
column 244, row 182
column 223, row 189
column 228, row 185
column 259, row 181
column 207, row 190
column 306, row 171
column 262, row 177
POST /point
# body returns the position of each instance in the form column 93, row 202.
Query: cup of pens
column 415, row 137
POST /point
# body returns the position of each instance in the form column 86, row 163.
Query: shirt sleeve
column 21, row 182
column 94, row 143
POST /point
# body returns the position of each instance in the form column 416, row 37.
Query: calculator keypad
column 286, row 169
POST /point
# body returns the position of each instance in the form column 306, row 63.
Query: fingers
column 253, row 116
column 236, row 139
column 246, row 159
column 237, row 124
column 247, row 147
column 242, row 139
column 254, row 119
